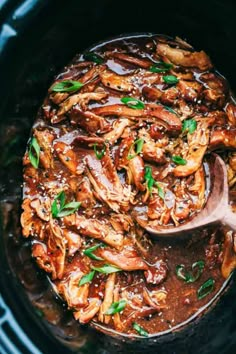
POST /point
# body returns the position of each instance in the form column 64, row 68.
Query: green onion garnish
column 161, row 192
column 116, row 307
column 39, row 312
column 133, row 102
column 206, row 288
column 170, row 79
column 91, row 56
column 148, row 178
column 160, row 67
column 197, row 269
column 138, row 144
column 169, row 109
column 67, row 86
column 151, row 182
column 189, row 126
column 59, row 207
column 107, row 269
column 99, row 154
column 34, row 150
column 140, row 330
column 178, row 160
column 89, row 252
column 87, row 278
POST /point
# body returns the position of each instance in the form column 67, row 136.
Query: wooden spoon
column 216, row 210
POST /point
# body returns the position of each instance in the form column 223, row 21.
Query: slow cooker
column 37, row 38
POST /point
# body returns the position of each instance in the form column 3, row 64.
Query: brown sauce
column 82, row 158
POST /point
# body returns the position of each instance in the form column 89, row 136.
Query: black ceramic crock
column 37, row 38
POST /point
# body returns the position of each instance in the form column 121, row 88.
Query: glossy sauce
column 178, row 299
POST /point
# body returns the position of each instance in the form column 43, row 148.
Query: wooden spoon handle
column 229, row 219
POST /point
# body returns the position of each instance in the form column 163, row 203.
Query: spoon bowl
column 216, row 210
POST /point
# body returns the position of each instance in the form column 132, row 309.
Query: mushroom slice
column 108, row 299
column 184, row 58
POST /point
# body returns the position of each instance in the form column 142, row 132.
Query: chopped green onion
column 139, row 146
column 170, row 79
column 206, row 288
column 197, row 269
column 100, row 154
column 148, row 178
column 160, row 67
column 67, row 86
column 161, row 192
column 91, row 56
column 116, row 307
column 189, row 126
column 169, row 109
column 87, row 278
column 140, row 330
column 133, row 102
column 181, row 273
column 89, row 252
column 151, row 182
column 34, row 150
column 63, row 209
column 39, row 312
column 107, row 269
column 178, row 160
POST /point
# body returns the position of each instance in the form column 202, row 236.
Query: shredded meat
column 128, row 150
column 184, row 57
column 126, row 259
